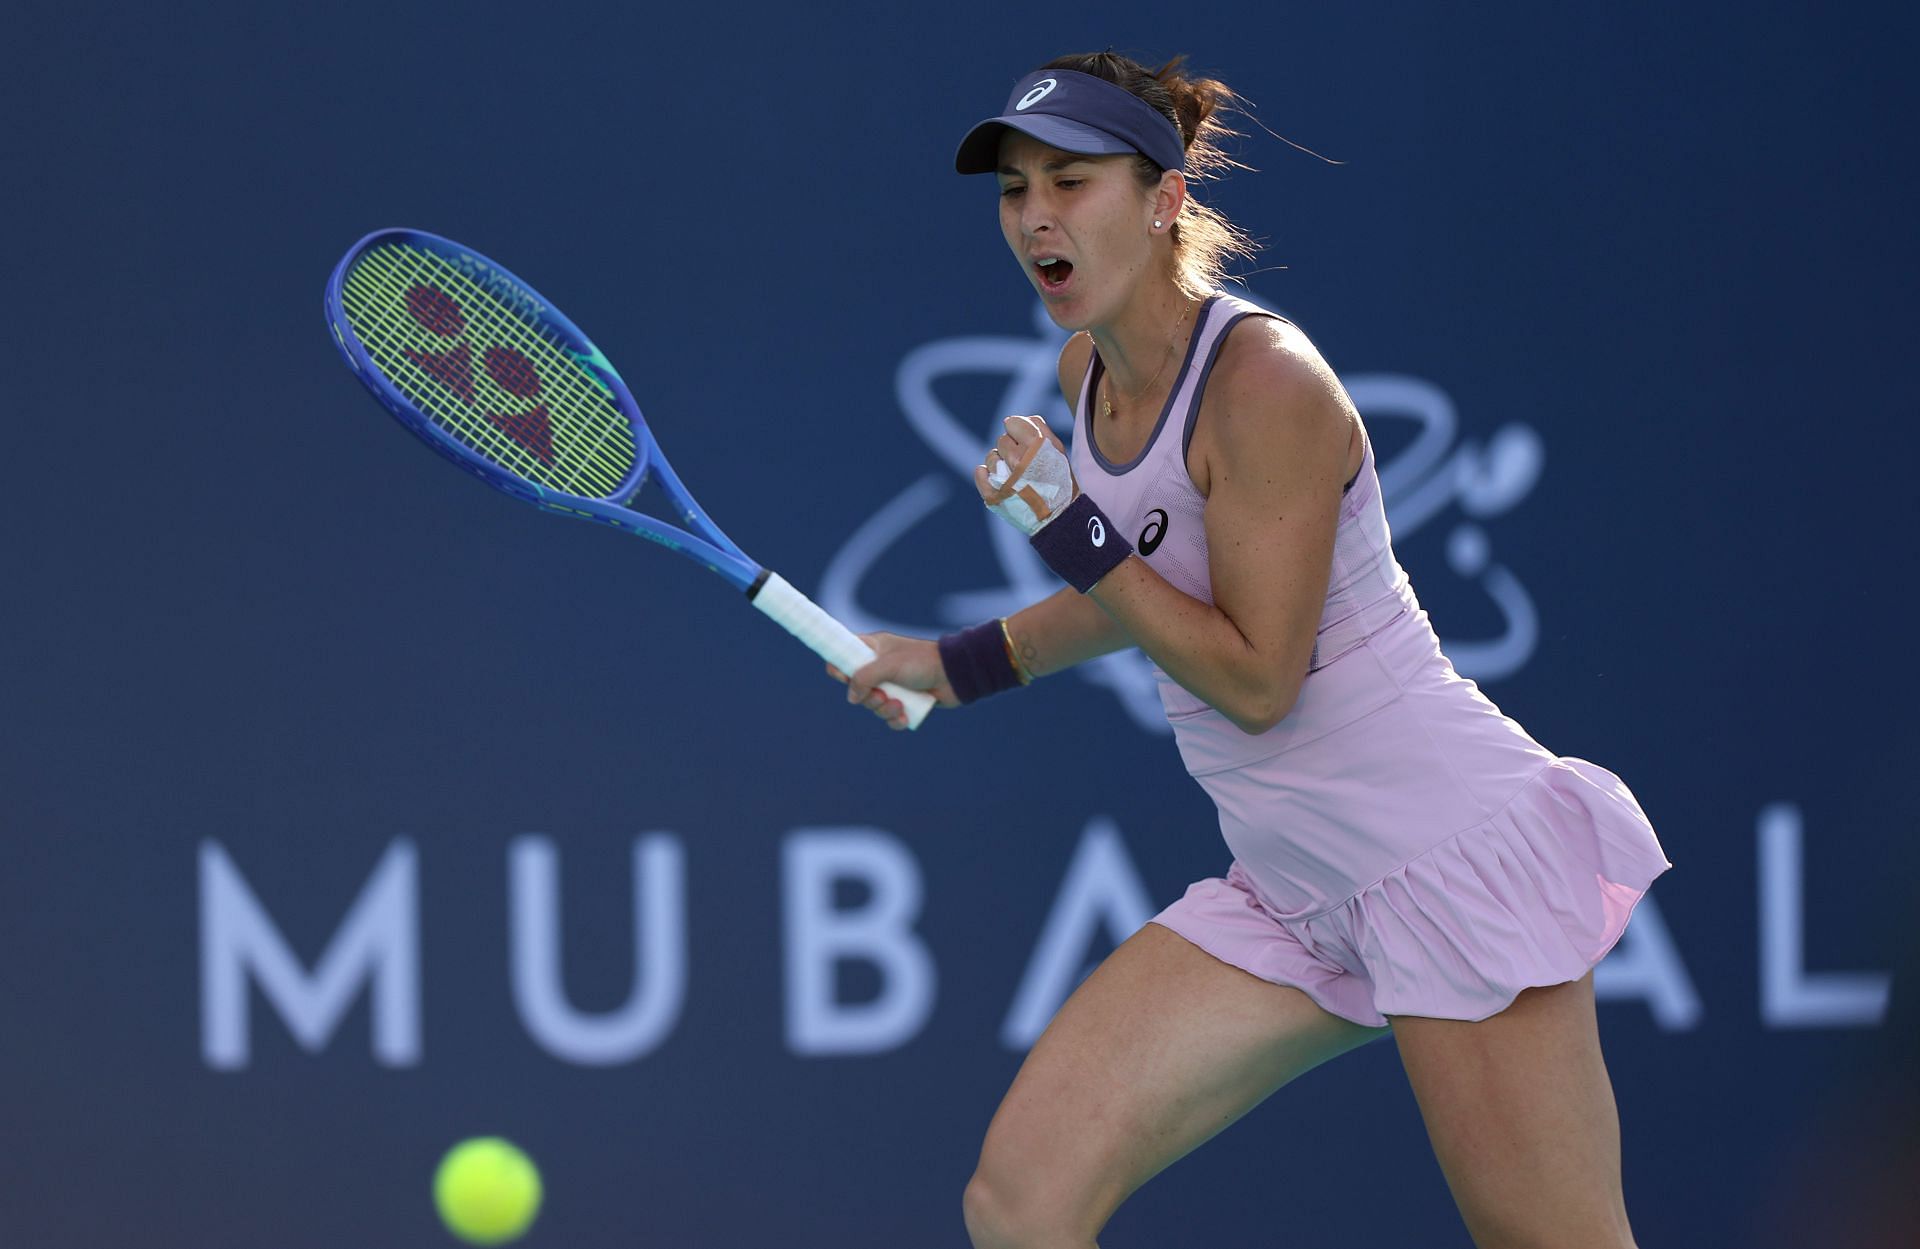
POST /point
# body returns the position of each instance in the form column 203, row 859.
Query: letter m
column 378, row 944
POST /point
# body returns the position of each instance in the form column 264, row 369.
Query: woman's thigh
column 1161, row 1047
column 1522, row 1119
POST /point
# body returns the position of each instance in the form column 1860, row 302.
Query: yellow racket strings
column 449, row 344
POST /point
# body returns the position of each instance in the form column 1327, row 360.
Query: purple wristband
column 1081, row 545
column 977, row 662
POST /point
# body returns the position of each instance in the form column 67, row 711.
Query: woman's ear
column 1169, row 199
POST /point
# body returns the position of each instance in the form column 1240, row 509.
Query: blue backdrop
column 351, row 809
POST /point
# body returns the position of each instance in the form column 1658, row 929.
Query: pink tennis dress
column 1400, row 846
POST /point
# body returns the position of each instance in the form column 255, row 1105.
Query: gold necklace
column 1106, row 400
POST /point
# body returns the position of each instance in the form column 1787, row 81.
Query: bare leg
column 1522, row 1119
column 1161, row 1048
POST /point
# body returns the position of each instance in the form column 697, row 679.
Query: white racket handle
column 831, row 640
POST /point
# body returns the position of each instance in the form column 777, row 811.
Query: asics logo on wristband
column 1081, row 565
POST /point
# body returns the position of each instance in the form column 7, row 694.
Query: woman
column 1405, row 857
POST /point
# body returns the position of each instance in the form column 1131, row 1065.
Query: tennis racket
column 490, row 374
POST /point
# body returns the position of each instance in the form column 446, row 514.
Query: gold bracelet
column 1013, row 655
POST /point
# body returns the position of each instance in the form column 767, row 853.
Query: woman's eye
column 1008, row 192
column 1067, row 183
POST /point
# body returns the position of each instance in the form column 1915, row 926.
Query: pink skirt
column 1402, row 848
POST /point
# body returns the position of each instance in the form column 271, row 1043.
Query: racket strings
column 519, row 441
column 509, row 368
column 486, row 374
column 527, row 446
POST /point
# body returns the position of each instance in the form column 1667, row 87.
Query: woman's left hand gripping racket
column 493, row 377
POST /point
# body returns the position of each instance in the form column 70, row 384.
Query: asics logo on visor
column 1039, row 93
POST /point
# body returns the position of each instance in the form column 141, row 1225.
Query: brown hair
column 1204, row 241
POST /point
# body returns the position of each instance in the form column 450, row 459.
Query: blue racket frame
column 709, row 546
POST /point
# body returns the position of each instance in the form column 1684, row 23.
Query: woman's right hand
column 911, row 662
column 1026, row 477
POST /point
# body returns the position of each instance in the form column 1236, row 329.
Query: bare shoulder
column 1271, row 365
column 1272, row 394
column 1074, row 357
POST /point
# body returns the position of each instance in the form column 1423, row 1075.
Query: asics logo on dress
column 1096, row 531
column 1040, row 92
column 1156, row 530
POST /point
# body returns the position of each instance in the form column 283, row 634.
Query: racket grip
column 829, row 639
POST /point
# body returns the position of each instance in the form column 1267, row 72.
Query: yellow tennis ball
column 488, row 1191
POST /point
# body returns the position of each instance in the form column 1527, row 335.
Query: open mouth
column 1054, row 273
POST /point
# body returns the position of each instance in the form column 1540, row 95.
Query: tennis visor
column 1076, row 113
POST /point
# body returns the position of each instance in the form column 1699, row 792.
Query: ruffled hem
column 1536, row 894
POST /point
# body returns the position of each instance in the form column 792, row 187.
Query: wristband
column 1081, row 545
column 978, row 663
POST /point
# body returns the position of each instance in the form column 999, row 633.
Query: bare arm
column 1281, row 432
column 1062, row 630
column 1054, row 634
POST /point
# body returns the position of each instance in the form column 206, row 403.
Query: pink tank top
column 1152, row 500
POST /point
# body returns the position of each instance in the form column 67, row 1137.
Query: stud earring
column 1156, row 223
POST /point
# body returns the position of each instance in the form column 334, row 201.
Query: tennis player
column 1406, row 858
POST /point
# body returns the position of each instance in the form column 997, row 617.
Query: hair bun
column 1194, row 99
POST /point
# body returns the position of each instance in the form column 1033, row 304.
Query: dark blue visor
column 1076, row 113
